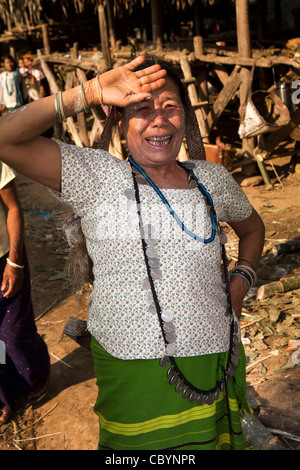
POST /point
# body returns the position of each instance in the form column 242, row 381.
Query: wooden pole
column 192, row 92
column 104, row 37
column 111, row 25
column 225, row 95
column 244, row 49
column 156, row 19
column 199, row 50
column 46, row 39
column 81, row 121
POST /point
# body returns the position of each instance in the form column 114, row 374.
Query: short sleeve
column 7, row 174
column 235, row 205
column 83, row 173
column 230, row 201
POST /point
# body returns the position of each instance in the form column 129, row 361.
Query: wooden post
column 199, row 50
column 46, row 39
column 244, row 49
column 192, row 92
column 156, row 19
column 104, row 37
column 111, row 26
column 81, row 121
column 225, row 95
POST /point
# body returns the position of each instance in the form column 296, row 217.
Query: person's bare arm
column 21, row 146
column 251, row 233
column 13, row 277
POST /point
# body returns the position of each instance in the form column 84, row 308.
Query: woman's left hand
column 12, row 281
column 238, row 290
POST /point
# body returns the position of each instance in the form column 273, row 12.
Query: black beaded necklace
column 175, row 375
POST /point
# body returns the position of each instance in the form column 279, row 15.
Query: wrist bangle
column 244, row 277
column 59, row 107
column 81, row 91
column 14, row 265
column 100, row 95
column 241, row 259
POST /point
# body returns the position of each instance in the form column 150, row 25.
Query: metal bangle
column 61, row 108
column 14, row 265
column 81, row 91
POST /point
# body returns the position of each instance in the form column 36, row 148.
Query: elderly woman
column 164, row 311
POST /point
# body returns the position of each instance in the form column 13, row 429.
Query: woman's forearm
column 15, row 228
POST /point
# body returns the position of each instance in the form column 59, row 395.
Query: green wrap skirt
column 139, row 410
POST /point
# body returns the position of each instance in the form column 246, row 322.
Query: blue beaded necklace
column 204, row 192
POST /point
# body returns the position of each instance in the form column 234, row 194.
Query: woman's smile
column 154, row 128
column 159, row 141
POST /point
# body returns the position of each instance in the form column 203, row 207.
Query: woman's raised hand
column 123, row 85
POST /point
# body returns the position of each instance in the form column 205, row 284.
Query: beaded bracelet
column 14, row 265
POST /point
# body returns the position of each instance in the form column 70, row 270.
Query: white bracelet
column 14, row 265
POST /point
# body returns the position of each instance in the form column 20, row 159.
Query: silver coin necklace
column 174, row 374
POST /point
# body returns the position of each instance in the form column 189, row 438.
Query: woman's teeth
column 159, row 141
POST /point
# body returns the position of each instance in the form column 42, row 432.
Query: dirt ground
column 64, row 418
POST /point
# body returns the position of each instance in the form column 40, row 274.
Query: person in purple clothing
column 24, row 358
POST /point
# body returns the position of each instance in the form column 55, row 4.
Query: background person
column 11, row 86
column 25, row 372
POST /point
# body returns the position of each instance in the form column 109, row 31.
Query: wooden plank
column 193, row 95
column 225, row 96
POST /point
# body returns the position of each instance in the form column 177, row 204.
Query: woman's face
column 154, row 129
column 9, row 64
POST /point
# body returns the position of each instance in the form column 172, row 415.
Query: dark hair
column 10, row 57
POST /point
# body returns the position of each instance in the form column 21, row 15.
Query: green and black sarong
column 139, row 410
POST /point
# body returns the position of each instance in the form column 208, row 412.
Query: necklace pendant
column 170, row 349
column 129, row 193
column 201, row 399
column 154, row 263
column 135, row 170
column 187, row 392
column 164, row 362
column 167, row 316
column 151, row 252
column 150, row 241
column 188, row 164
column 169, row 327
column 193, row 184
column 141, row 180
column 156, row 273
column 193, row 397
column 223, row 238
column 180, row 387
column 171, row 337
